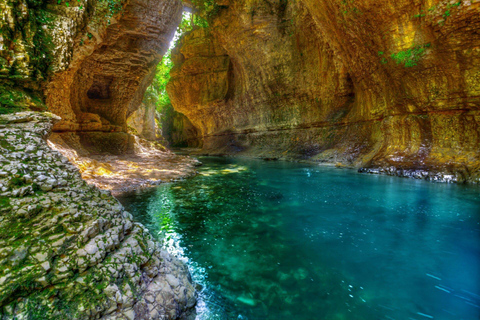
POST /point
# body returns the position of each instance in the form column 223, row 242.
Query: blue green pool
column 279, row 240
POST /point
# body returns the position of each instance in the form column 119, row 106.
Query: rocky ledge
column 148, row 165
column 457, row 176
column 69, row 250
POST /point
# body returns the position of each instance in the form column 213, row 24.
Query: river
column 281, row 240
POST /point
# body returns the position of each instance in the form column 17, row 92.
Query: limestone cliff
column 104, row 85
column 89, row 61
column 390, row 84
column 178, row 130
column 70, row 251
column 143, row 122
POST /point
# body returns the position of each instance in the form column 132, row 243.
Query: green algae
column 14, row 99
column 4, row 202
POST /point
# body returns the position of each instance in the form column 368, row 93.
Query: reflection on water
column 276, row 240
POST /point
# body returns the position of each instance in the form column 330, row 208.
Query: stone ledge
column 69, row 250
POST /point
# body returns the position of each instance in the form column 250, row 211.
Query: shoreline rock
column 454, row 176
column 441, row 174
column 70, row 250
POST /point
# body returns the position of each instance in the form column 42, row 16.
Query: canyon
column 392, row 86
column 381, row 86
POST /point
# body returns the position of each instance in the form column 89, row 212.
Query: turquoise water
column 278, row 240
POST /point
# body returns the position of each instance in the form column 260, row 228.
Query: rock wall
column 178, row 130
column 183, row 133
column 39, row 39
column 143, row 122
column 70, row 251
column 88, row 61
column 169, row 128
column 106, row 84
column 388, row 84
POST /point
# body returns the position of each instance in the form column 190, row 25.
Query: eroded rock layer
column 70, row 251
column 389, row 84
column 106, row 84
column 178, row 130
column 88, row 61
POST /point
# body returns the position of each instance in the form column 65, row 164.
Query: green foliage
column 457, row 4
column 114, row 7
column 200, row 21
column 188, row 23
column 157, row 92
column 207, row 8
column 448, row 13
column 410, row 57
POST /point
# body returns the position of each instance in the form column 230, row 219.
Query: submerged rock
column 440, row 174
column 69, row 250
column 247, row 300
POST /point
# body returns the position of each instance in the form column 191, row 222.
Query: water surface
column 279, row 240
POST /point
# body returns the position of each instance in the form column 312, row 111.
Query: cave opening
column 100, row 89
column 174, row 128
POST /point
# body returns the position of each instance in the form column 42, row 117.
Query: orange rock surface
column 384, row 83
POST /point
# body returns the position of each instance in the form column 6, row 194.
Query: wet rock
column 440, row 175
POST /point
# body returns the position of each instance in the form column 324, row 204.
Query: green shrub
column 410, row 57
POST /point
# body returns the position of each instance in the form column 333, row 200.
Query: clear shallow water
column 278, row 240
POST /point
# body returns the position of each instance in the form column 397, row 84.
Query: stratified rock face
column 70, row 251
column 183, row 133
column 384, row 83
column 106, row 82
column 169, row 128
column 143, row 122
column 91, row 59
column 40, row 38
column 178, row 130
